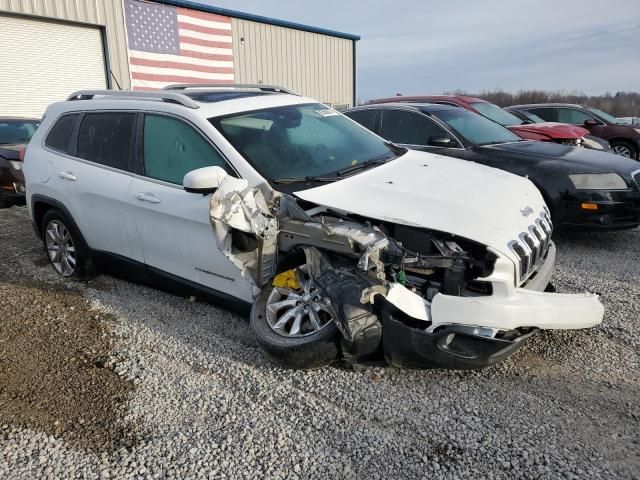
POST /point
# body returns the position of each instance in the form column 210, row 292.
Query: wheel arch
column 41, row 204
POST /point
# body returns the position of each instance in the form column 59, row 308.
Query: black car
column 15, row 133
column 588, row 141
column 583, row 188
column 624, row 138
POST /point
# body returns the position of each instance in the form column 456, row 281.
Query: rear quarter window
column 59, row 137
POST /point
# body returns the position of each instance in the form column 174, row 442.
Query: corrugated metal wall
column 312, row 64
column 319, row 66
column 98, row 12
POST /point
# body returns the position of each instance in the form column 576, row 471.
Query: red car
column 15, row 133
column 546, row 132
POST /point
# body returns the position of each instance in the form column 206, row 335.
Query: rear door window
column 172, row 148
column 106, row 138
column 409, row 128
column 59, row 137
column 548, row 114
column 366, row 118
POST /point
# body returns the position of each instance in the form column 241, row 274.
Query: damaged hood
column 431, row 191
column 551, row 130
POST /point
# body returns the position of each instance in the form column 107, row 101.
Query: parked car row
column 629, row 120
column 542, row 131
column 342, row 244
column 623, row 137
column 581, row 187
column 587, row 141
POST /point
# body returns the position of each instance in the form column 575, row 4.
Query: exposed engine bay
column 362, row 268
column 258, row 235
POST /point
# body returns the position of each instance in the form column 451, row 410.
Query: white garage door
column 42, row 62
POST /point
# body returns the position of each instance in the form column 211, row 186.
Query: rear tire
column 66, row 249
column 3, row 202
column 314, row 350
column 624, row 149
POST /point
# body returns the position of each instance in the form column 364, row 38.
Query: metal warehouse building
column 50, row 48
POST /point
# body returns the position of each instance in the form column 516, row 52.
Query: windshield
column 497, row 114
column 606, row 116
column 17, row 131
column 301, row 141
column 475, row 128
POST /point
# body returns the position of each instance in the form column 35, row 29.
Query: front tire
column 65, row 247
column 624, row 149
column 288, row 337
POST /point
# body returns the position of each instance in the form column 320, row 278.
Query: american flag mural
column 176, row 45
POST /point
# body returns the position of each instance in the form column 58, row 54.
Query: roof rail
column 240, row 86
column 170, row 97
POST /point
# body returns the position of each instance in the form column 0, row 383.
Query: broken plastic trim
column 359, row 326
column 235, row 205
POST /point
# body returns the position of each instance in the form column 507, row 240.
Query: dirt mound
column 54, row 374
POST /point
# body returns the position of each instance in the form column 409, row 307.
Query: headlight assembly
column 598, row 181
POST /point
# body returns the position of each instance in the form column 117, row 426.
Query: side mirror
column 590, row 122
column 204, row 180
column 440, row 141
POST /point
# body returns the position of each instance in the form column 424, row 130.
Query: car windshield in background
column 302, row 141
column 17, row 131
column 496, row 114
column 606, row 116
column 475, row 128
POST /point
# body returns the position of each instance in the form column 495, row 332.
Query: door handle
column 68, row 176
column 147, row 197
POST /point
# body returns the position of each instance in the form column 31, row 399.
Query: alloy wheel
column 60, row 248
column 298, row 312
column 622, row 150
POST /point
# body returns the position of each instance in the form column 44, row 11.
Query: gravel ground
column 111, row 379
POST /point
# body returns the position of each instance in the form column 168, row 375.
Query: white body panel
column 101, row 207
column 175, row 232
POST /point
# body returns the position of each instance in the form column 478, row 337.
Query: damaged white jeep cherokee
column 346, row 245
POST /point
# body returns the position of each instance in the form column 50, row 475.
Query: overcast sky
column 427, row 46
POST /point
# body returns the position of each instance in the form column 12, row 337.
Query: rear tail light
column 22, row 152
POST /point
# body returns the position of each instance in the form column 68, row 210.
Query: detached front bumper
column 475, row 332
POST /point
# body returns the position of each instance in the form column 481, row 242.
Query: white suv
column 345, row 245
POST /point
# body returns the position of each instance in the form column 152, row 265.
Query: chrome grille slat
column 531, row 247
